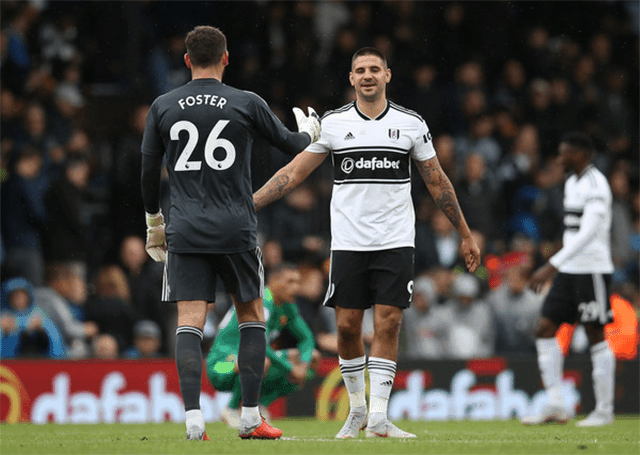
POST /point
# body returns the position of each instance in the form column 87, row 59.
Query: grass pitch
column 313, row 437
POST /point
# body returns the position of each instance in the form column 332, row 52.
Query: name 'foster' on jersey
column 371, row 205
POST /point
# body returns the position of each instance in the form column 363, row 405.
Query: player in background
column 372, row 142
column 286, row 369
column 204, row 130
column 580, row 291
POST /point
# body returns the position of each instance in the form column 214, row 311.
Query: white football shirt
column 371, row 207
column 586, row 244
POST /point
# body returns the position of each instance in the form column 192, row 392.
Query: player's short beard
column 371, row 98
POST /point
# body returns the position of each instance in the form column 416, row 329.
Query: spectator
column 66, row 233
column 68, row 102
column 166, row 68
column 621, row 229
column 24, row 216
column 518, row 166
column 105, row 347
column 515, row 307
column 440, row 241
column 564, row 112
column 547, row 204
column 110, row 305
column 423, row 325
column 128, row 218
column 296, row 224
column 479, row 139
column 25, row 330
column 423, row 95
column 144, row 279
column 539, row 112
column 147, row 340
column 16, row 58
column 34, row 130
column 478, row 194
column 469, row 324
column 510, row 91
column 77, row 333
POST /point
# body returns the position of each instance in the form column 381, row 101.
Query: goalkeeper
column 286, row 369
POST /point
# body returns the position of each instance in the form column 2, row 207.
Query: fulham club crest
column 393, row 133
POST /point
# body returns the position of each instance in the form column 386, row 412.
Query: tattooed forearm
column 449, row 205
column 441, row 189
column 274, row 189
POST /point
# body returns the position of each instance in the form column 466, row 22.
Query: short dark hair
column 205, row 45
column 368, row 51
column 579, row 140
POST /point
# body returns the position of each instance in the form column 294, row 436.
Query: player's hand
column 471, row 253
column 156, row 240
column 541, row 277
column 310, row 124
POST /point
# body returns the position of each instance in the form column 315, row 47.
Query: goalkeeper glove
column 156, row 240
column 309, row 125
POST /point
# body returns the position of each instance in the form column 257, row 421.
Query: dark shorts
column 579, row 298
column 194, row 276
column 360, row 279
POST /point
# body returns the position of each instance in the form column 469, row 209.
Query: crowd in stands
column 497, row 83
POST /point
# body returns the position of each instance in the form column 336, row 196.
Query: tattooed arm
column 287, row 178
column 444, row 195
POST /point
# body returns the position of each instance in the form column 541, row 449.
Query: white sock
column 550, row 361
column 382, row 372
column 353, row 377
column 194, row 421
column 251, row 415
column 603, row 374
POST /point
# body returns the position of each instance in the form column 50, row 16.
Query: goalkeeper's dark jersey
column 205, row 130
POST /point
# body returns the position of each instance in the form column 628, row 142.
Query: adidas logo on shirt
column 387, row 383
column 349, row 136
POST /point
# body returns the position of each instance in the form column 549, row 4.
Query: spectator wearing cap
column 424, row 325
column 146, row 340
column 515, row 307
column 468, row 319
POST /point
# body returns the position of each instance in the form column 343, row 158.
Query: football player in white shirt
column 372, row 142
column 581, row 273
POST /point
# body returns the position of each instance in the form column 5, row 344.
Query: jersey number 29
column 213, row 142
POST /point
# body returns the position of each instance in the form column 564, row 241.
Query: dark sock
column 253, row 347
column 189, row 365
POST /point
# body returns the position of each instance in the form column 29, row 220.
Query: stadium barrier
column 136, row 391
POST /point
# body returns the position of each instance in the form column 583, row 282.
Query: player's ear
column 225, row 58
column 187, row 60
column 351, row 78
column 387, row 76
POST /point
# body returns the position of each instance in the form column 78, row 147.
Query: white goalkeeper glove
column 156, row 240
column 309, row 125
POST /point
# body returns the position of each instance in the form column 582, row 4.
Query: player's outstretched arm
column 287, row 178
column 444, row 195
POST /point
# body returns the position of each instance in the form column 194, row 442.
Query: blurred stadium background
column 497, row 83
